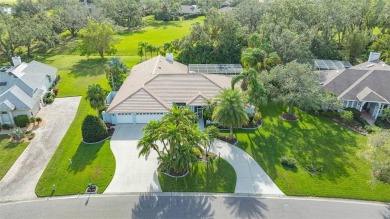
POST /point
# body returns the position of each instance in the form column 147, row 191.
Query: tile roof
column 165, row 83
column 365, row 82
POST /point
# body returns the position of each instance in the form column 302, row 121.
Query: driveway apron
column 251, row 178
column 132, row 173
column 20, row 181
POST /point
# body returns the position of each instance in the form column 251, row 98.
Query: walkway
column 132, row 173
column 20, row 181
column 365, row 115
column 251, row 178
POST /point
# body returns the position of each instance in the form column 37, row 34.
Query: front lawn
column 221, row 179
column 9, row 153
column 312, row 140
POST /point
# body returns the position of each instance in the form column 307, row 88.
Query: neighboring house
column 22, row 88
column 365, row 87
column 155, row 85
column 189, row 9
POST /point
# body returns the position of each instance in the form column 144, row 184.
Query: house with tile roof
column 365, row 87
column 157, row 84
column 22, row 88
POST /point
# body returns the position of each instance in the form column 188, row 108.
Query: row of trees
column 144, row 48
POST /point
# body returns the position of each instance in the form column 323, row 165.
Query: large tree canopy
column 296, row 84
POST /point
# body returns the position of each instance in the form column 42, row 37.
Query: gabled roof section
column 36, row 72
column 197, row 100
column 141, row 101
column 6, row 106
column 344, row 80
column 369, row 95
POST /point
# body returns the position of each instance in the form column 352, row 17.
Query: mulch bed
column 227, row 139
column 354, row 125
column 289, row 117
column 251, row 126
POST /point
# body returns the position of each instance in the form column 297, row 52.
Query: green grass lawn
column 90, row 162
column 221, row 179
column 9, row 153
column 312, row 140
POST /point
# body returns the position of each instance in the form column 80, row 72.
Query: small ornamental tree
column 346, row 116
column 93, row 129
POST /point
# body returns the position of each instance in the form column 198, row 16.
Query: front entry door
column 5, row 118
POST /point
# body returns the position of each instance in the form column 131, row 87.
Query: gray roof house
column 190, row 9
column 365, row 87
column 155, row 85
column 22, row 87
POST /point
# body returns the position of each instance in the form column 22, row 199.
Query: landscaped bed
column 317, row 144
column 221, row 179
column 9, row 153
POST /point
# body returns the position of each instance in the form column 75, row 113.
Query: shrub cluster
column 17, row 134
column 329, row 113
column 21, row 121
column 314, row 168
column 288, row 161
column 5, row 126
column 346, row 116
column 355, row 112
column 49, row 98
column 93, row 129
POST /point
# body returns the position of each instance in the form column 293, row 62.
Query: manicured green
column 155, row 33
column 312, row 140
column 221, row 179
column 8, row 2
column 9, row 153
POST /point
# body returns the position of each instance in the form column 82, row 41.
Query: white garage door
column 124, row 118
column 147, row 117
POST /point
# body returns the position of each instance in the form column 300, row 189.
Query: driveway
column 132, row 173
column 20, row 181
column 251, row 178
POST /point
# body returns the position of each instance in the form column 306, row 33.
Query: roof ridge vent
column 370, row 65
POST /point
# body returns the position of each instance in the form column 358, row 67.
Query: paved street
column 209, row 206
column 20, row 181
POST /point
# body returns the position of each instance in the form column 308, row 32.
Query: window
column 179, row 104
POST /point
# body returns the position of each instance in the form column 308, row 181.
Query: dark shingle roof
column 190, row 9
column 378, row 81
column 344, row 80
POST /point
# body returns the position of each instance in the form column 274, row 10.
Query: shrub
column 363, row 122
column 5, row 126
column 257, row 116
column 346, row 116
column 55, row 91
column 314, row 168
column 329, row 113
column 355, row 112
column 38, row 119
column 383, row 174
column 288, row 161
column 93, row 129
column 369, row 128
column 32, row 119
column 30, row 135
column 17, row 134
column 48, row 98
column 21, row 121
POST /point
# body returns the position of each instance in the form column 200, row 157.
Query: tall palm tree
column 141, row 49
column 96, row 96
column 114, row 67
column 247, row 77
column 230, row 111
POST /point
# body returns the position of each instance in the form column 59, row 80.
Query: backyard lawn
column 90, row 162
column 9, row 153
column 221, row 179
column 317, row 141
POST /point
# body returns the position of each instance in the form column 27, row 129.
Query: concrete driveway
column 251, row 178
column 20, row 181
column 132, row 173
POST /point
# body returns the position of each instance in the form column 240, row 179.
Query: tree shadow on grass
column 84, row 156
column 88, row 67
column 153, row 206
column 245, row 207
column 12, row 145
column 310, row 140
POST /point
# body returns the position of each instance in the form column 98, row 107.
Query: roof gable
column 140, row 101
column 197, row 100
column 6, row 106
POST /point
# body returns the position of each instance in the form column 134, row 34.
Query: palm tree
column 247, row 77
column 150, row 49
column 211, row 133
column 208, row 108
column 230, row 111
column 141, row 49
column 253, row 58
column 96, row 96
column 115, row 67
